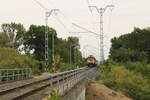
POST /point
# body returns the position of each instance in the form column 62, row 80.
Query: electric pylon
column 101, row 11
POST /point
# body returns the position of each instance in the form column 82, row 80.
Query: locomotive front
column 91, row 61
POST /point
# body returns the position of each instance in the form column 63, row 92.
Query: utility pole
column 70, row 55
column 47, row 15
column 53, row 46
column 74, row 47
column 101, row 11
column 76, row 54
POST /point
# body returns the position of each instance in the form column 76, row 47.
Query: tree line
column 31, row 42
column 128, row 67
column 133, row 46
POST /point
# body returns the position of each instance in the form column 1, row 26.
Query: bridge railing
column 7, row 75
column 72, row 77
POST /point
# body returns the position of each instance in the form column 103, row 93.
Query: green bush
column 61, row 68
column 54, row 95
column 10, row 59
column 65, row 67
column 133, row 83
column 110, row 62
column 141, row 67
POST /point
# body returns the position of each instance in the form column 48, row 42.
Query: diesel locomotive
column 91, row 61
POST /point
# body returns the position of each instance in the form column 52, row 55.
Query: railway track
column 30, row 87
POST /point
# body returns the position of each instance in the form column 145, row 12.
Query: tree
column 35, row 45
column 133, row 46
column 9, row 58
column 4, row 40
column 35, row 41
column 15, row 33
column 62, row 48
column 73, row 42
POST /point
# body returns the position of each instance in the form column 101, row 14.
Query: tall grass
column 141, row 67
column 54, row 95
column 10, row 59
column 130, row 79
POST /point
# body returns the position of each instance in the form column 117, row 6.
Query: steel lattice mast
column 101, row 35
column 47, row 15
column 101, row 11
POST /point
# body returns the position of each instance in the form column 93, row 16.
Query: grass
column 132, row 81
column 54, row 95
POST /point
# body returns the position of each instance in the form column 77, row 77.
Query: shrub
column 110, row 62
column 62, row 67
column 133, row 83
column 10, row 59
column 141, row 67
column 65, row 67
column 54, row 95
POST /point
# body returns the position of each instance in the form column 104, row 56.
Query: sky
column 126, row 15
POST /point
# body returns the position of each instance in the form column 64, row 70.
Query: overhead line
column 61, row 23
column 88, row 3
column 84, row 28
column 67, row 19
column 41, row 5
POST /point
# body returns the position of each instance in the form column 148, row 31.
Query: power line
column 67, row 19
column 76, row 25
column 84, row 29
column 59, row 21
column 109, row 23
column 88, row 3
column 41, row 5
column 48, row 13
column 110, row 17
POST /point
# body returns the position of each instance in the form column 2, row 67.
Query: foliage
column 81, row 62
column 15, row 33
column 4, row 40
column 141, row 67
column 131, row 81
column 65, row 67
column 133, row 46
column 62, row 67
column 131, row 72
column 64, row 47
column 14, row 37
column 110, row 62
column 54, row 95
column 35, row 42
column 10, row 59
column 57, row 61
column 124, row 55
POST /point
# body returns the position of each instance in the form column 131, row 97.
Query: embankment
column 97, row 91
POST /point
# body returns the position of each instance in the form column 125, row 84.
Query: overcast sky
column 126, row 15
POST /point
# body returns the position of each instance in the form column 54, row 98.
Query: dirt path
column 97, row 91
